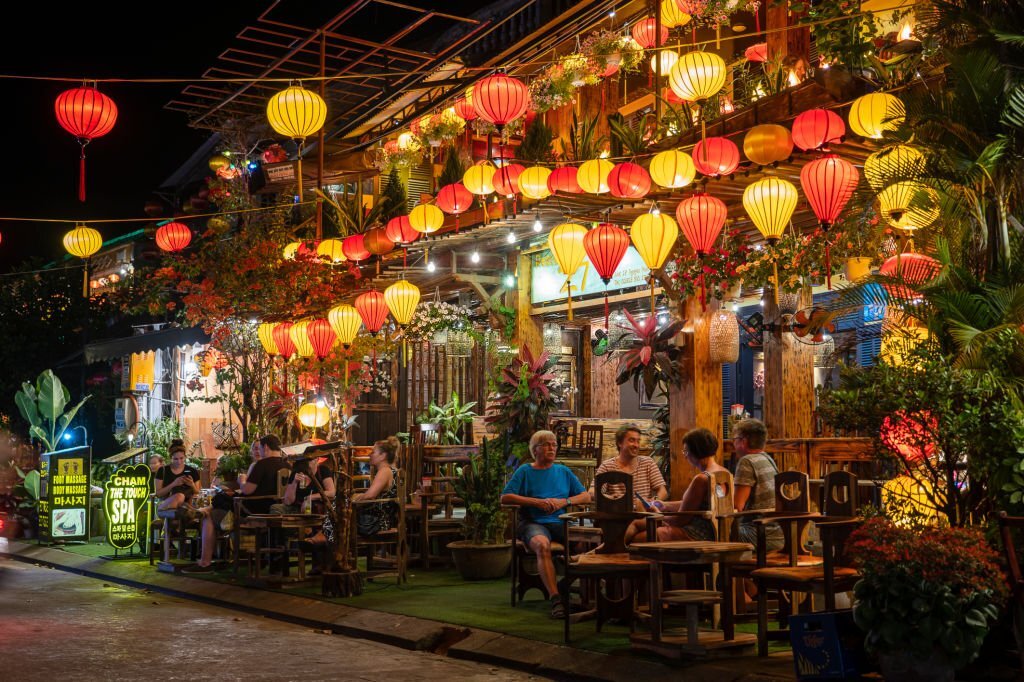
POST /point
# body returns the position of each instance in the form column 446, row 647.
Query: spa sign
column 126, row 505
column 64, row 490
column 547, row 283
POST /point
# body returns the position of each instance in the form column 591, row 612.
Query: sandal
column 557, row 607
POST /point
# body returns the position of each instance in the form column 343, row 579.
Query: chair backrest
column 591, row 441
column 613, row 492
column 791, row 492
column 839, row 494
column 423, row 434
column 565, row 432
column 720, row 501
column 1006, row 525
column 282, row 481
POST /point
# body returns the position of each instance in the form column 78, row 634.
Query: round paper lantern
column 454, row 199
column 629, row 181
column 218, row 162
column 653, row 236
column 668, row 59
column 373, row 310
column 265, row 333
column 173, row 236
column 672, row 169
column 479, row 179
column 757, row 53
column 87, row 114
column 909, row 205
column 314, row 415
column 916, row 269
column 767, row 144
column 500, row 99
column 724, row 337
column 606, row 246
column 697, row 76
column 345, row 321
column 283, row 339
column 376, row 241
column 911, row 435
column 331, row 250
column 908, row 501
column 400, row 230
column 296, row 112
column 426, row 218
column 82, row 241
column 875, row 113
column 896, row 164
column 321, row 337
column 506, row 179
column 645, row 33
column 533, row 182
column 300, row 338
column 563, row 179
column 672, row 15
column 401, row 299
column 354, row 247
column 770, row 203
column 592, row 176
column 701, row 218
column 566, row 244
column 828, row 183
column 464, row 107
column 817, row 129
column 291, row 249
column 716, row 156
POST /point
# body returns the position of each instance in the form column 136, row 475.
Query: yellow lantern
column 314, row 415
column 296, row 112
column 566, row 244
column 533, row 182
column 909, row 205
column 330, row 249
column 767, row 144
column 265, row 332
column 479, row 179
column 672, row 168
column 873, row 114
column 300, row 337
column 895, row 164
column 592, row 176
column 653, row 237
column 407, row 141
column 426, row 218
column 82, row 241
column 290, row 249
column 672, row 16
column 345, row 321
column 907, row 499
column 899, row 339
column 770, row 203
column 697, row 76
column 401, row 299
column 668, row 59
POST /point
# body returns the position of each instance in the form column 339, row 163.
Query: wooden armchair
column 391, row 538
column 252, row 529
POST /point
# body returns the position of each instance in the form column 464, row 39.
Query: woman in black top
column 177, row 482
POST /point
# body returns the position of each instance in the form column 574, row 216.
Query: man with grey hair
column 542, row 489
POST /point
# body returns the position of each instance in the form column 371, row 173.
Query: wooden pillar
column 605, row 398
column 788, row 376
column 697, row 402
column 585, row 372
column 529, row 328
column 794, row 42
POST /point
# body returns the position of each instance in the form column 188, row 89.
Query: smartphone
column 647, row 505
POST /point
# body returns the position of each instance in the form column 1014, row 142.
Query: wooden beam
column 595, row 302
column 788, row 375
column 529, row 329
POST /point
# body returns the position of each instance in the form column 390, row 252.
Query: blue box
column 826, row 646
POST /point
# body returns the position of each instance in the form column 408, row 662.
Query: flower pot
column 907, row 667
column 857, row 268
column 481, row 562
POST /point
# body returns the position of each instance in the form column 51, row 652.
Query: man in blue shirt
column 542, row 489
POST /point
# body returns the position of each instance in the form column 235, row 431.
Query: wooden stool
column 692, row 600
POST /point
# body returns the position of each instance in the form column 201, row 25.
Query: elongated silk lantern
column 566, row 244
column 828, row 184
column 454, row 199
column 265, row 333
column 653, row 236
column 345, row 321
column 283, row 339
column 321, row 337
column 401, row 299
column 300, row 338
column 606, row 246
column 701, row 218
column 770, row 203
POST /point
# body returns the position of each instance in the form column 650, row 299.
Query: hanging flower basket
column 460, row 343
column 440, row 337
column 789, row 302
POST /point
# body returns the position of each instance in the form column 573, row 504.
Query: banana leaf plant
column 523, row 400
column 43, row 407
column 651, row 357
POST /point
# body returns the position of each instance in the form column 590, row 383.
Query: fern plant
column 583, row 139
column 536, row 145
column 625, row 139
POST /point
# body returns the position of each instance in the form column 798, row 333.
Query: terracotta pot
column 857, row 268
column 481, row 562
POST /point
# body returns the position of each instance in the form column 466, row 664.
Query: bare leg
column 541, row 546
column 636, row 532
column 209, row 539
column 171, row 502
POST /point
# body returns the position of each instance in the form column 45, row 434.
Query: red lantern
column 354, row 247
column 563, row 179
column 454, row 199
column 828, row 183
column 628, row 181
column 716, row 156
column 464, row 109
column 400, row 231
column 500, row 99
column 757, row 53
column 701, row 218
column 373, row 310
column 173, row 236
column 645, row 32
column 506, row 179
column 817, row 129
column 321, row 337
column 606, row 246
column 910, row 435
column 87, row 114
column 283, row 339
column 376, row 241
column 914, row 268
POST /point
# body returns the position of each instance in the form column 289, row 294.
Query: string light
column 475, row 257
column 511, row 237
column 510, row 280
column 537, row 225
column 431, row 267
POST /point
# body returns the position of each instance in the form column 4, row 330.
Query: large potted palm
column 484, row 553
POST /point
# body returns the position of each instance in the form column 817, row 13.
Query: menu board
column 64, row 494
column 126, row 505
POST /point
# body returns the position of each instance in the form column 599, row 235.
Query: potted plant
column 927, row 596
column 433, row 319
column 719, row 269
column 612, row 51
column 230, row 464
column 522, row 401
column 453, row 417
column 484, row 553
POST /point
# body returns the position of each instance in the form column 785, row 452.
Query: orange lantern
column 500, row 99
column 701, row 217
column 373, row 310
column 767, row 144
column 645, row 33
column 87, row 114
column 376, row 241
column 282, row 334
column 173, row 236
column 716, row 156
column 817, row 129
column 563, row 179
column 321, row 337
column 354, row 247
column 828, row 184
column 606, row 246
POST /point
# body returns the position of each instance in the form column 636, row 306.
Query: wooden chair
column 392, row 537
column 565, row 432
column 252, row 529
column 525, row 576
column 173, row 527
column 591, row 441
column 839, row 494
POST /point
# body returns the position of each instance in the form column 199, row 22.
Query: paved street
column 56, row 625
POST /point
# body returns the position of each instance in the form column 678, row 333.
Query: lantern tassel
column 775, row 274
column 81, row 176
column 828, row 266
column 703, row 293
column 298, row 171
column 718, row 37
column 568, row 289
column 456, row 223
column 606, row 327
column 651, row 280
column 757, row 21
column 515, row 200
column 85, row 280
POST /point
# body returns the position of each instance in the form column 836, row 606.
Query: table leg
column 728, row 629
column 654, row 592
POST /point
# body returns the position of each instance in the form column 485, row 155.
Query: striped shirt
column 647, row 477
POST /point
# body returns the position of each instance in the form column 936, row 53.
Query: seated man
column 648, row 482
column 543, row 488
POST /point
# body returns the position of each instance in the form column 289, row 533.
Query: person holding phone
column 176, row 482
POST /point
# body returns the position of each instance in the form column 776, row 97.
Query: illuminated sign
column 64, row 494
column 124, row 504
column 547, row 283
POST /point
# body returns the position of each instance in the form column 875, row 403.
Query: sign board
column 547, row 283
column 125, row 504
column 280, row 172
column 64, row 494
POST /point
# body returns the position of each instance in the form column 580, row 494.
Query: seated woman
column 301, row 491
column 374, row 518
column 176, row 483
column 699, row 448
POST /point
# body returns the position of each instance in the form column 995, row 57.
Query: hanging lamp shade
column 592, row 176
column 331, row 250
column 265, row 333
column 376, row 241
column 290, row 250
column 87, row 114
column 321, row 337
column 479, row 179
column 500, row 99
column 716, row 156
column 672, row 15
column 629, row 181
column 400, row 231
column 464, row 107
column 282, row 334
column 698, row 76
column 653, row 236
column 757, row 53
column 668, row 59
column 915, row 268
column 354, row 247
column 401, row 299
column 426, row 218
column 817, row 129
column 533, row 182
column 454, row 199
column 672, row 169
column 875, row 113
column 767, row 144
column 82, row 242
column 300, row 338
column 645, row 33
column 314, row 415
column 770, row 203
column 898, row 163
column 506, row 179
column 173, row 237
column 828, row 184
column 724, row 337
column 296, row 112
column 701, row 218
column 606, row 246
column 909, row 205
column 566, row 244
column 345, row 321
column 564, row 179
column 373, row 310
